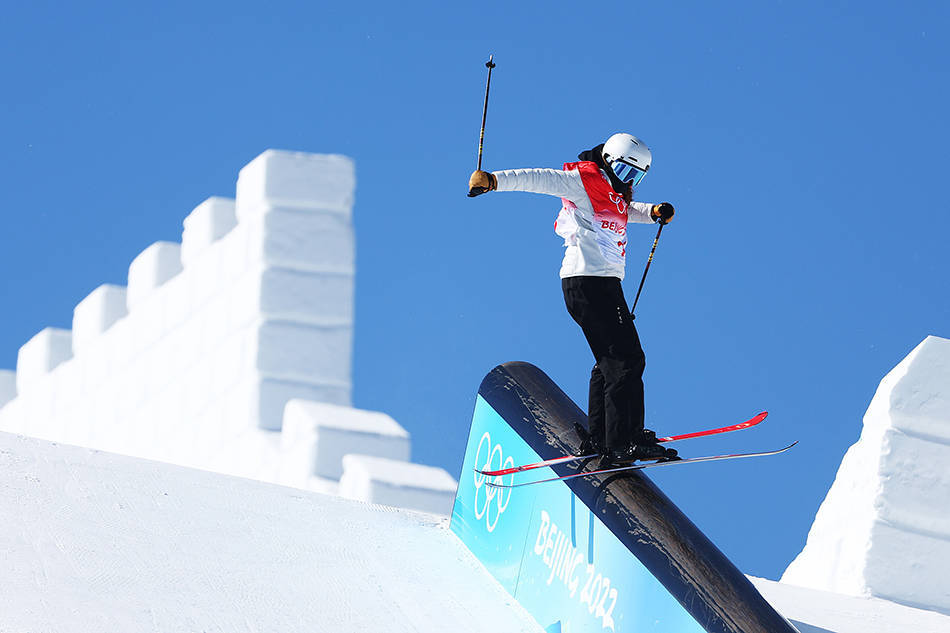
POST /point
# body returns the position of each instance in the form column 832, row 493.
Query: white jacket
column 593, row 218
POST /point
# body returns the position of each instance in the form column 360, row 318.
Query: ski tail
column 542, row 464
column 672, row 438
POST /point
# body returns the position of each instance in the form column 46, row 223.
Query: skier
column 597, row 199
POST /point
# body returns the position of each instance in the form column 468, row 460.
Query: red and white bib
column 597, row 231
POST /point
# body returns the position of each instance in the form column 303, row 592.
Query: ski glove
column 481, row 182
column 662, row 213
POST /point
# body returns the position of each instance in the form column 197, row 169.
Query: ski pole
column 481, row 137
column 647, row 269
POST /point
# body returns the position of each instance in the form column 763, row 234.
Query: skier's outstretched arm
column 563, row 184
column 641, row 212
column 553, row 182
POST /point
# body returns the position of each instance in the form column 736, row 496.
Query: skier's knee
column 621, row 369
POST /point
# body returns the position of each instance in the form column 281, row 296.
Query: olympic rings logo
column 490, row 502
column 618, row 200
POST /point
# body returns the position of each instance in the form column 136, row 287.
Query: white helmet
column 628, row 157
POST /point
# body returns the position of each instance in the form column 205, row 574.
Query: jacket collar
column 596, row 155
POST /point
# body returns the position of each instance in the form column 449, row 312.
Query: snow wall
column 195, row 361
column 213, row 336
column 884, row 528
column 594, row 553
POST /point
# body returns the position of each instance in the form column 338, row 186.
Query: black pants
column 615, row 407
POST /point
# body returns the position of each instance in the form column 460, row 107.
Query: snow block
column 175, row 297
column 7, row 386
column 117, row 348
column 302, row 239
column 305, row 353
column 231, row 255
column 919, row 392
column 295, row 179
column 40, row 355
column 12, row 418
column 211, row 220
column 268, row 398
column 883, row 530
column 96, row 313
column 895, row 571
column 154, row 266
column 278, row 294
column 917, row 469
column 316, row 298
column 397, row 483
column 317, row 435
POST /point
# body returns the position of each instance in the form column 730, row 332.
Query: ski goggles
column 627, row 172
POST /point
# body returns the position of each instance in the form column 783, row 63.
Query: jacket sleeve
column 640, row 212
column 553, row 182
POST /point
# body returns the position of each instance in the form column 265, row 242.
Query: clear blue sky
column 803, row 144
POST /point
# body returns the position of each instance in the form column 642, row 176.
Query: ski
column 576, row 458
column 723, row 429
column 617, row 469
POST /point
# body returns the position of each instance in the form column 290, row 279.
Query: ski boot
column 590, row 446
column 643, row 447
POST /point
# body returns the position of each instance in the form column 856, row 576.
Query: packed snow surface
column 813, row 611
column 92, row 541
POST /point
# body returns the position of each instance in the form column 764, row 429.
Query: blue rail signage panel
column 549, row 550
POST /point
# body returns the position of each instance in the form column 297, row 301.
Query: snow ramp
column 605, row 552
column 91, row 541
